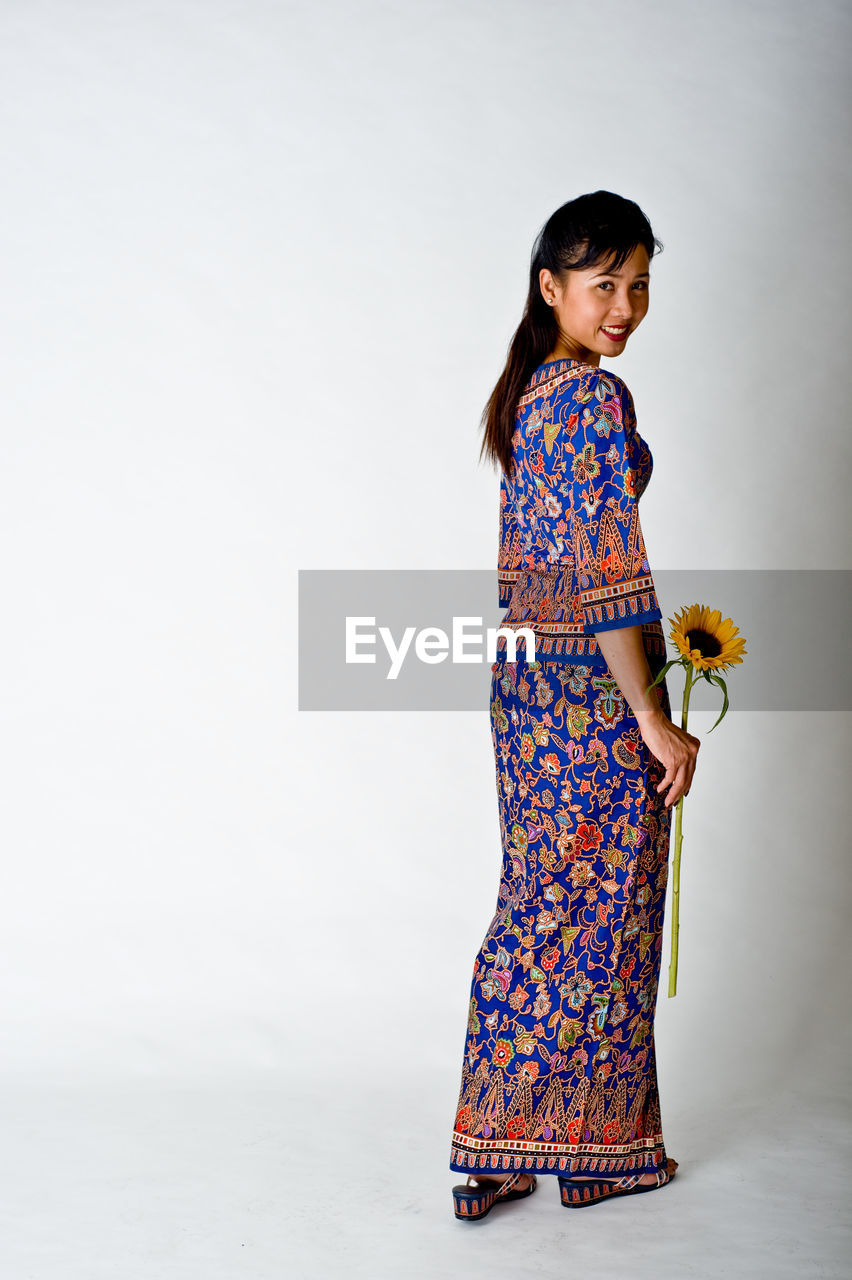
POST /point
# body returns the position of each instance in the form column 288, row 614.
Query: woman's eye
column 637, row 284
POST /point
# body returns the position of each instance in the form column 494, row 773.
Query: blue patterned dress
column 559, row 1069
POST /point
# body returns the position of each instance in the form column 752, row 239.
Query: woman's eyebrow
column 638, row 276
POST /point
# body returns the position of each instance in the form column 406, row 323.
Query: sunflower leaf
column 673, row 662
column 717, row 679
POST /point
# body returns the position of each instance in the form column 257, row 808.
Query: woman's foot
column 473, row 1200
column 647, row 1178
column 598, row 1177
column 494, row 1179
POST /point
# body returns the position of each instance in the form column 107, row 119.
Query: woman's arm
column 625, row 655
column 675, row 748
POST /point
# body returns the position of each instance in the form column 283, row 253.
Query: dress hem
column 650, row 1160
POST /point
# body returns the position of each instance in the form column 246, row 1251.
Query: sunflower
column 707, row 640
column 706, row 644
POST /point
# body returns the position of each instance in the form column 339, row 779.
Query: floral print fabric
column 572, row 556
column 559, row 1068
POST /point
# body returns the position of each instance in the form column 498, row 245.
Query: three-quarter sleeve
column 509, row 558
column 614, row 584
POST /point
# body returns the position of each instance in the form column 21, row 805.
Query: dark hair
column 585, row 231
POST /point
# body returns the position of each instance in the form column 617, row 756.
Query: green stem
column 676, row 863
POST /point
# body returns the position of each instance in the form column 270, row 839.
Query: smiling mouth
column 616, row 333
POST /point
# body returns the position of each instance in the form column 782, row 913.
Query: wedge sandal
column 473, row 1202
column 579, row 1194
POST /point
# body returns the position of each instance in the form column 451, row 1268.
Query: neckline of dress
column 552, row 368
column 569, row 360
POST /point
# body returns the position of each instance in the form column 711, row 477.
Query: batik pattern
column 572, row 556
column 559, row 1068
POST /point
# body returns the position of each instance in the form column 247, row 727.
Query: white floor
column 252, row 1178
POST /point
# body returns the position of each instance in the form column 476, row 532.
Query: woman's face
column 597, row 309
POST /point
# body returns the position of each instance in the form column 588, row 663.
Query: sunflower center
column 706, row 644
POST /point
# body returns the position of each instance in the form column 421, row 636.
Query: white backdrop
column 262, row 263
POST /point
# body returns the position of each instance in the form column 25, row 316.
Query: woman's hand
column 677, row 751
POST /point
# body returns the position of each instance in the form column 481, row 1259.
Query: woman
column 559, row 1069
